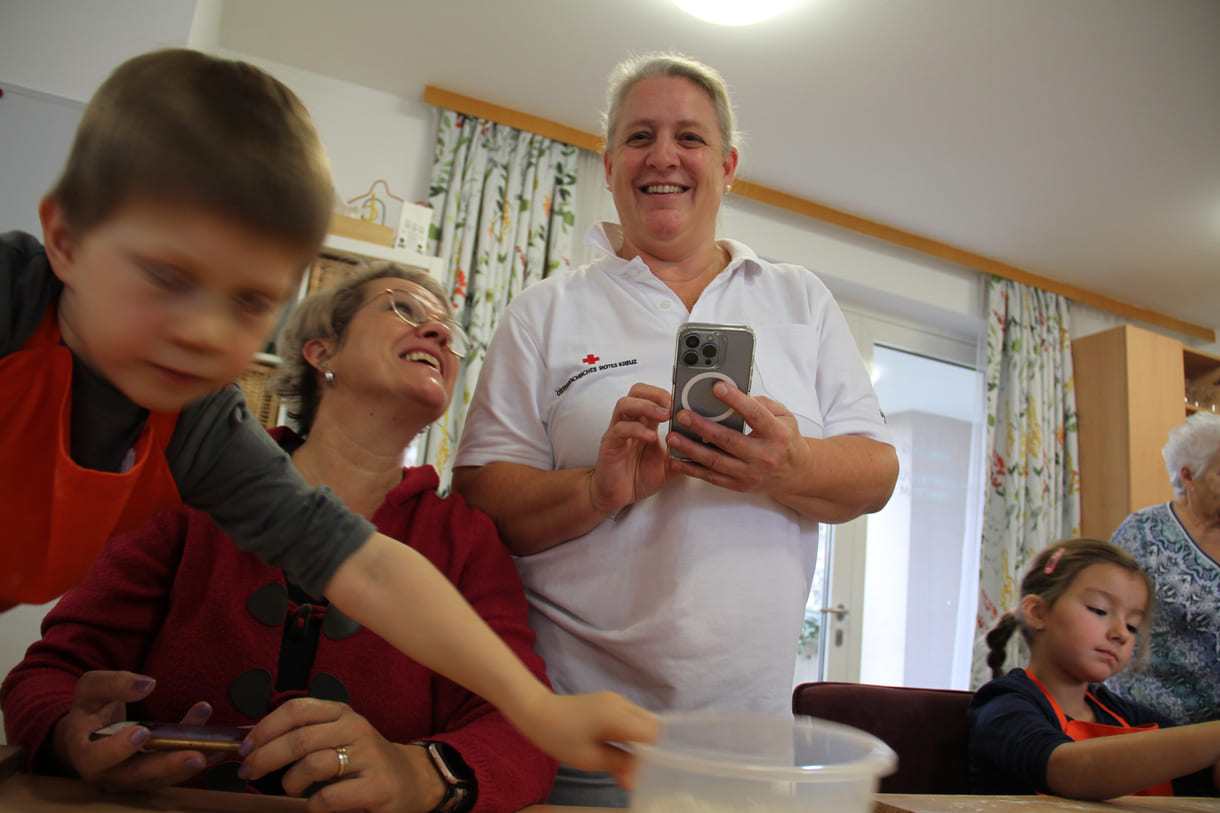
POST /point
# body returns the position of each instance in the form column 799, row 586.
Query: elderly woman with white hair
column 1178, row 543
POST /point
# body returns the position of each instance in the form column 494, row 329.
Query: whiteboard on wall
column 36, row 131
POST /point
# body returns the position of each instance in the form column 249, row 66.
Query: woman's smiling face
column 667, row 168
column 378, row 349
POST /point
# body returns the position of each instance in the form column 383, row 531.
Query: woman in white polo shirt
column 681, row 585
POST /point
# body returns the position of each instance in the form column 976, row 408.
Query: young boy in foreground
column 195, row 194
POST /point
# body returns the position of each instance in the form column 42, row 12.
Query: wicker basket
column 331, row 268
column 262, row 403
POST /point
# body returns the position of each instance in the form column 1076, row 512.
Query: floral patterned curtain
column 1032, row 496
column 502, row 216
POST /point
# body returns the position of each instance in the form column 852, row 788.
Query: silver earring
column 329, row 375
column 728, row 187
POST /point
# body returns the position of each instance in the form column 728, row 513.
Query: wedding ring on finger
column 341, row 753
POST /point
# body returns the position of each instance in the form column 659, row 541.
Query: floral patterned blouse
column 1182, row 677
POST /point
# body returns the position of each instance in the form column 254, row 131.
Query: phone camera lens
column 692, row 341
column 709, row 350
column 690, row 359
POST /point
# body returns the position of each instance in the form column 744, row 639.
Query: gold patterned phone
column 177, row 737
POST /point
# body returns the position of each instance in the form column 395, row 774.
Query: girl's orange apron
column 57, row 515
column 1079, row 730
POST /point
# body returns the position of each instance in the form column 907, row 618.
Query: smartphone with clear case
column 705, row 354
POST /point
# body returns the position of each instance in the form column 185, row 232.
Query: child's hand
column 580, row 729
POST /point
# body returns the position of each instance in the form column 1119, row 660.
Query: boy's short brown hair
column 178, row 125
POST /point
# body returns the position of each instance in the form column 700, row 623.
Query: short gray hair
column 638, row 68
column 326, row 315
column 1192, row 445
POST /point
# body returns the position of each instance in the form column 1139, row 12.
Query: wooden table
column 23, row 793
column 901, row 803
column 10, row 758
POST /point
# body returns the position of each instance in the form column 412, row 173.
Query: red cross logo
column 591, row 359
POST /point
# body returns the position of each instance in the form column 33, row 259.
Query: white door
column 893, row 599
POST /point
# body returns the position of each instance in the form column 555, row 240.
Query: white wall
column 1087, row 320
column 66, row 48
column 859, row 270
column 36, row 132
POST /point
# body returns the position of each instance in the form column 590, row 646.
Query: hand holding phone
column 705, row 354
column 178, row 737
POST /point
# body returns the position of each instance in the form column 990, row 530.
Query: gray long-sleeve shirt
column 222, row 460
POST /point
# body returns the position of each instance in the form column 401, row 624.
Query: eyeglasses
column 415, row 313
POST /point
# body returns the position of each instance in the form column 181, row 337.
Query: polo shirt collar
column 608, row 237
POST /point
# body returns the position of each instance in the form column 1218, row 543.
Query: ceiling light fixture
column 735, row 12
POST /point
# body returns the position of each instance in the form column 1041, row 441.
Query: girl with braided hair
column 1049, row 728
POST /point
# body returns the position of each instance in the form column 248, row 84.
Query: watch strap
column 461, row 789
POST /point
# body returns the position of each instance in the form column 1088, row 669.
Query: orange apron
column 57, row 515
column 1079, row 730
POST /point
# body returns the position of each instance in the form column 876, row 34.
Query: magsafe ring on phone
column 706, row 353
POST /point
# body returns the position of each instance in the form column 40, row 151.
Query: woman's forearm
column 847, row 475
column 533, row 509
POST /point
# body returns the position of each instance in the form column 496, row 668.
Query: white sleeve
column 506, row 417
column 849, row 402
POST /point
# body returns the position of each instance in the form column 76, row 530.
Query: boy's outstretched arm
column 398, row 594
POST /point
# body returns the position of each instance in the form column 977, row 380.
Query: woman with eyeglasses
column 229, row 641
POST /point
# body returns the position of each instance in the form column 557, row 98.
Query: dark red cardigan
column 169, row 600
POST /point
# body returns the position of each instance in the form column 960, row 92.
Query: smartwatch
column 461, row 789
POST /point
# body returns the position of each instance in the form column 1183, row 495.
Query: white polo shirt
column 695, row 598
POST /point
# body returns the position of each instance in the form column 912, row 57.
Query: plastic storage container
column 724, row 762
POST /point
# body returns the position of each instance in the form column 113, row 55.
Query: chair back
column 926, row 727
